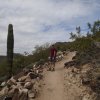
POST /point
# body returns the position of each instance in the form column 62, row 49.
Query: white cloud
column 30, row 18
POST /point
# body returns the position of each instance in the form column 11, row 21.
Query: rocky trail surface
column 64, row 84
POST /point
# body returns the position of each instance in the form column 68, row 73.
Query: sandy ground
column 54, row 88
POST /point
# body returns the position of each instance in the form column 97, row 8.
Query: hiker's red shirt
column 53, row 52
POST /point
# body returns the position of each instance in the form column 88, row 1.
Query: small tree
column 95, row 27
column 78, row 30
column 10, row 47
column 73, row 36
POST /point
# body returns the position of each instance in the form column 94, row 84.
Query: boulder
column 11, row 81
column 24, row 94
column 12, row 89
column 31, row 94
column 20, row 85
column 4, row 91
column 69, row 64
column 28, row 79
column 3, row 84
column 26, row 70
column 33, row 75
column 22, row 79
column 36, row 87
column 28, row 85
column 16, row 94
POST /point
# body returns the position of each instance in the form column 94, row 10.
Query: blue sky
column 39, row 21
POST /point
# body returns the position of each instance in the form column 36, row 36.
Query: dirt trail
column 53, row 88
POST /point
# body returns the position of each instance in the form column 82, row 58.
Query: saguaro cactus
column 10, row 47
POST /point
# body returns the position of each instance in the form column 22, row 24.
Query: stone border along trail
column 53, row 84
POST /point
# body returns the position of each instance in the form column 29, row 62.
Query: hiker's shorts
column 53, row 59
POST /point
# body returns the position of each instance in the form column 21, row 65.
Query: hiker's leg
column 53, row 65
column 52, row 59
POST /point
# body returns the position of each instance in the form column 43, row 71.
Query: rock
column 24, row 94
column 28, row 79
column 74, row 57
column 22, row 79
column 16, row 94
column 70, row 63
column 33, row 75
column 3, row 84
column 36, row 87
column 40, row 70
column 20, row 85
column 34, row 90
column 26, row 70
column 31, row 94
column 12, row 89
column 28, row 85
column 4, row 91
column 11, row 81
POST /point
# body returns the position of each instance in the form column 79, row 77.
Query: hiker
column 53, row 53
